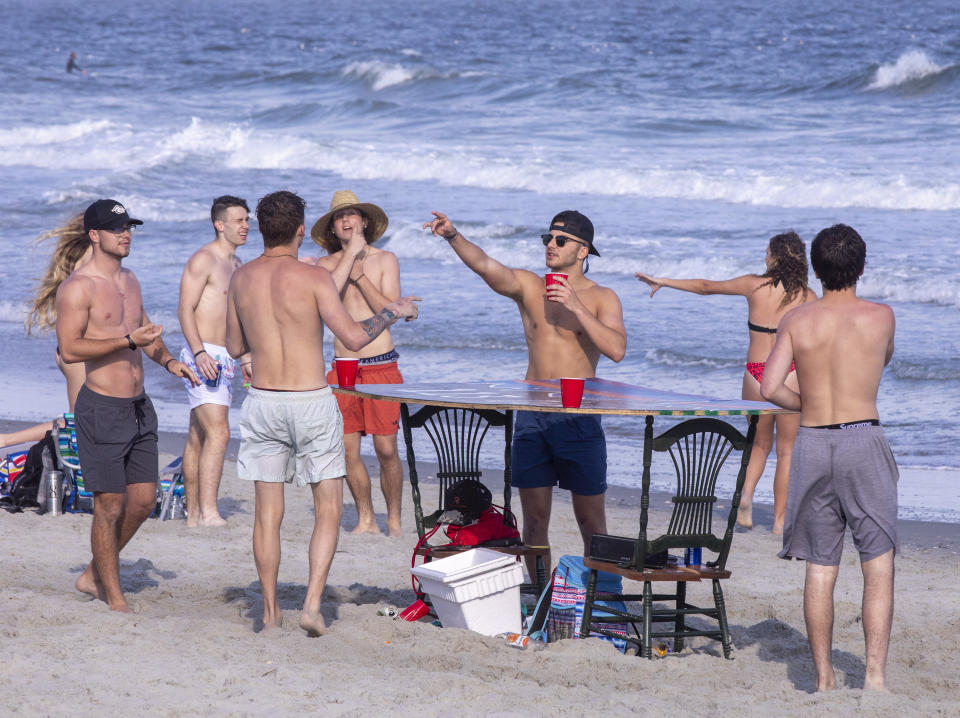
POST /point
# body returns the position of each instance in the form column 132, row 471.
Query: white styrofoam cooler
column 478, row 590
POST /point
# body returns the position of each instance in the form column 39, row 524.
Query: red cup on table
column 554, row 278
column 346, row 371
column 571, row 392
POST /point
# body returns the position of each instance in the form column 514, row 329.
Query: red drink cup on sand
column 346, row 371
column 571, row 392
column 554, row 278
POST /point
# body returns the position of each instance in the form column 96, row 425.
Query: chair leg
column 647, row 620
column 588, row 604
column 722, row 617
column 541, row 575
column 679, row 623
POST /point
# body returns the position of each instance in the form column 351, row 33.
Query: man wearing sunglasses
column 101, row 322
column 567, row 326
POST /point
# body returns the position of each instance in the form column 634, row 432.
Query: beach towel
column 569, row 595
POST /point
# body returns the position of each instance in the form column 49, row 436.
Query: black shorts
column 116, row 441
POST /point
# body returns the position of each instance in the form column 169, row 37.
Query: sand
column 191, row 647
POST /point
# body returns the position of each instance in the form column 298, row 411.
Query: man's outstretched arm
column 500, row 278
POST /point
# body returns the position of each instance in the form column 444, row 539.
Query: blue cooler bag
column 569, row 595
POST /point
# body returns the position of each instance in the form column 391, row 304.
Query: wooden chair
column 699, row 449
column 457, row 435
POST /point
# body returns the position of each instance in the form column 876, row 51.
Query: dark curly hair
column 789, row 265
column 279, row 215
column 838, row 255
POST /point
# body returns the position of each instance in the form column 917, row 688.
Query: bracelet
column 249, row 363
column 196, row 354
column 450, row 239
column 133, row 344
column 166, row 364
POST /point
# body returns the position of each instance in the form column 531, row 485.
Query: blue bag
column 569, row 595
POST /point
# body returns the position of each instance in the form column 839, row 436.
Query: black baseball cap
column 576, row 224
column 107, row 214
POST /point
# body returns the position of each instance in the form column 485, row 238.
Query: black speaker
column 604, row 547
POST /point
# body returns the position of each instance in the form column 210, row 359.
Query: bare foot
column 313, row 624
column 394, row 530
column 366, row 527
column 214, row 521
column 87, row 583
column 778, row 529
column 120, row 606
column 875, row 684
column 745, row 515
column 827, row 683
column 271, row 624
column 192, row 523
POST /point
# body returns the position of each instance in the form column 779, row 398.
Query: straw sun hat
column 376, row 218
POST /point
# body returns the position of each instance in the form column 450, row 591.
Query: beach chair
column 699, row 449
column 457, row 435
column 170, row 500
column 68, row 461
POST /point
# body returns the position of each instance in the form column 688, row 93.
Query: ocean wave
column 380, row 75
column 911, row 67
column 937, row 371
column 667, row 357
column 931, row 290
column 12, row 312
column 21, row 138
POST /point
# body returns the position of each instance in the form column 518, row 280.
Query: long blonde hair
column 73, row 244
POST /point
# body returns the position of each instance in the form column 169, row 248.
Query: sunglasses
column 560, row 240
column 131, row 228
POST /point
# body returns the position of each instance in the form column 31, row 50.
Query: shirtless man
column 842, row 470
column 368, row 279
column 203, row 321
column 290, row 427
column 567, row 327
column 101, row 321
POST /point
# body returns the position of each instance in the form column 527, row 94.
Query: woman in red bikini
column 769, row 296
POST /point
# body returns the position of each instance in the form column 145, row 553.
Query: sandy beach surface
column 191, row 647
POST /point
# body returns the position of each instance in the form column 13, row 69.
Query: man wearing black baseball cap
column 101, row 322
column 568, row 324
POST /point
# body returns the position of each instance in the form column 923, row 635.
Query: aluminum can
column 212, row 383
column 692, row 556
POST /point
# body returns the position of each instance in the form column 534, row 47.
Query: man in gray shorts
column 290, row 426
column 842, row 472
column 101, row 322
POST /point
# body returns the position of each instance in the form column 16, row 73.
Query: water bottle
column 53, row 480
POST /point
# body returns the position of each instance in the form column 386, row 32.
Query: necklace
column 283, row 254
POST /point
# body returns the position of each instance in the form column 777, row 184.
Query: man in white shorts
column 203, row 321
column 290, row 427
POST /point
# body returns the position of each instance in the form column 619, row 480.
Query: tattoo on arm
column 378, row 322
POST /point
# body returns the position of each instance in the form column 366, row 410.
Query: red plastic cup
column 346, row 371
column 571, row 392
column 554, row 278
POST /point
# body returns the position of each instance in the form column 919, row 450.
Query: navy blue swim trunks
column 568, row 450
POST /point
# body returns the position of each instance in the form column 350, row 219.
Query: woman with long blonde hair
column 73, row 249
column 769, row 296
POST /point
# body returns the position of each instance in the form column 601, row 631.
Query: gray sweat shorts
column 292, row 436
column 840, row 477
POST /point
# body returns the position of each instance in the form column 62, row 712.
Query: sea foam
column 910, row 66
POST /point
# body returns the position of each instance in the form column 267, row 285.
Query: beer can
column 212, row 383
column 692, row 556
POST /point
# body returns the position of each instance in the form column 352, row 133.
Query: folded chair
column 699, row 449
column 68, row 461
column 457, row 435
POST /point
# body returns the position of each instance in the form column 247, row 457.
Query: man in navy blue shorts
column 568, row 326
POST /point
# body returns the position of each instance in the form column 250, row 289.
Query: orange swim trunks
column 370, row 416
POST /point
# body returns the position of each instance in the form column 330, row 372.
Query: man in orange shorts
column 368, row 279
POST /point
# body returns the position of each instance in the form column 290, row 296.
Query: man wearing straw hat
column 368, row 279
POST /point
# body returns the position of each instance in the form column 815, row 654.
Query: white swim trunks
column 222, row 392
column 292, row 436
